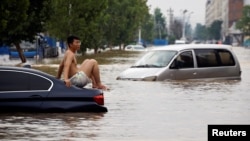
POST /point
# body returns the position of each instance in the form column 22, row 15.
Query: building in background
column 229, row 12
column 246, row 2
column 213, row 11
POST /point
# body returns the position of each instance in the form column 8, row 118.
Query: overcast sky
column 195, row 6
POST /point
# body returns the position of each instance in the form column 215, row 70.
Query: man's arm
column 60, row 70
column 67, row 63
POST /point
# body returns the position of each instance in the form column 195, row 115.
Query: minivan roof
column 193, row 46
column 180, row 42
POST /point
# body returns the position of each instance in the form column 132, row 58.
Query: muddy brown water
column 146, row 111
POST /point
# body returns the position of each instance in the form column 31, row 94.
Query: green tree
column 200, row 32
column 147, row 27
column 22, row 20
column 91, row 24
column 160, row 24
column 176, row 29
column 188, row 31
column 214, row 30
column 244, row 22
column 81, row 18
column 135, row 18
column 123, row 20
column 12, row 17
column 97, row 22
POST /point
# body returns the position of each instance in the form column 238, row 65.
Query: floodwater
column 143, row 111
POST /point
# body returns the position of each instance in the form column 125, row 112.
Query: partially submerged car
column 187, row 61
column 135, row 48
column 29, row 90
column 180, row 42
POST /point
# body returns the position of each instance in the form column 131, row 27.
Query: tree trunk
column 20, row 53
column 95, row 50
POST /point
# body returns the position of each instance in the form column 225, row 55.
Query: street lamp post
column 184, row 21
column 183, row 25
column 139, row 35
column 159, row 29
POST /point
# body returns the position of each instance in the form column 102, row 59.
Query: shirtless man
column 80, row 77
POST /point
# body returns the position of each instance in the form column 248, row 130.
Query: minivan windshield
column 155, row 59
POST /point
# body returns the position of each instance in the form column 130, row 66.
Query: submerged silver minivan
column 187, row 61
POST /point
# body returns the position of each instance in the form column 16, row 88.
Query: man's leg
column 91, row 69
column 93, row 82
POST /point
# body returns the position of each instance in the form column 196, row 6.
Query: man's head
column 73, row 41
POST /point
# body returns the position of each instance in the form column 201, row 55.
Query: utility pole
column 159, row 29
column 139, row 35
column 69, row 22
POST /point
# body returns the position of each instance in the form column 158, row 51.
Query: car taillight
column 99, row 99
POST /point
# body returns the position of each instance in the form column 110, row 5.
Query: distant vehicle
column 30, row 90
column 187, row 61
column 135, row 48
column 29, row 50
column 196, row 42
column 180, row 42
column 44, row 49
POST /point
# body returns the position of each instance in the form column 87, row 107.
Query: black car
column 29, row 90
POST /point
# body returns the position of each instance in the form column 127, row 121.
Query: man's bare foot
column 101, row 86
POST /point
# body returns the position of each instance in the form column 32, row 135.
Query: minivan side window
column 214, row 58
column 226, row 58
column 185, row 60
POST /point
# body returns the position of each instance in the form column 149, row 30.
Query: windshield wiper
column 147, row 66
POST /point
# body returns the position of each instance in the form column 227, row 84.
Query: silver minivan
column 187, row 61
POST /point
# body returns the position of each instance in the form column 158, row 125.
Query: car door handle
column 35, row 96
column 194, row 73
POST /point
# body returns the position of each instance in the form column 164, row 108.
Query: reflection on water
column 169, row 110
column 44, row 126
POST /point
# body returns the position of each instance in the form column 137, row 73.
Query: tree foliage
column 160, row 24
column 244, row 23
column 214, row 30
column 81, row 18
column 176, row 29
column 147, row 28
column 12, row 18
column 22, row 20
column 200, row 32
column 96, row 22
column 124, row 18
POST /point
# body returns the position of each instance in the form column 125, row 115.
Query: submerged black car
column 30, row 90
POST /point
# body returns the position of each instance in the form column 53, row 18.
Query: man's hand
column 67, row 83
